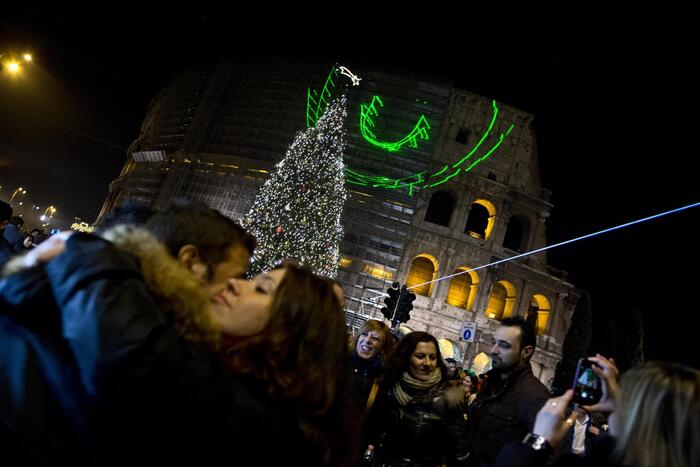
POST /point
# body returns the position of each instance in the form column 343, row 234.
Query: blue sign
column 467, row 332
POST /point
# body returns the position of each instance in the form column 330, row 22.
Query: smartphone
column 588, row 388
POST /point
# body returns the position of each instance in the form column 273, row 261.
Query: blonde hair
column 658, row 416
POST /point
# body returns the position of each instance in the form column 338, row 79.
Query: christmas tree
column 297, row 211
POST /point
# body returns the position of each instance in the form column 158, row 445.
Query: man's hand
column 48, row 249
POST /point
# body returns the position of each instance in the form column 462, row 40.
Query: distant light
column 13, row 67
column 27, row 57
column 42, row 218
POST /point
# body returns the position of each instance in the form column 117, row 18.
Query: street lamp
column 18, row 190
column 13, row 66
column 49, row 212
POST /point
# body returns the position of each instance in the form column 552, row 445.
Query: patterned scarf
column 402, row 397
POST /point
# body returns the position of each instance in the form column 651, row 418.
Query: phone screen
column 587, row 385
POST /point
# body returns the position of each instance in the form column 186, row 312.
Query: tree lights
column 297, row 211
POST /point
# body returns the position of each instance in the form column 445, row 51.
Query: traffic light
column 405, row 305
column 391, row 301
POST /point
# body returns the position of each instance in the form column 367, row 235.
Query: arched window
column 482, row 216
column 463, row 289
column 539, row 304
column 517, row 233
column 424, row 269
column 501, row 301
column 481, row 363
column 440, row 208
column 449, row 349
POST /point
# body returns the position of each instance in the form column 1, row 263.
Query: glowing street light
column 48, row 213
column 18, row 190
column 13, row 65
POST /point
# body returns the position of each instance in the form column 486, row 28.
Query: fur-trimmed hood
column 181, row 295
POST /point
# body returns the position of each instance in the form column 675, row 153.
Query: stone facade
column 510, row 182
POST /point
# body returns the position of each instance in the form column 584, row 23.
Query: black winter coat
column 503, row 412
column 6, row 250
column 426, row 430
column 364, row 373
column 124, row 386
column 41, row 420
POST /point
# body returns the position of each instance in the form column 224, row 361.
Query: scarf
column 402, row 397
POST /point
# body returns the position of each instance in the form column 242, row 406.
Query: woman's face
column 243, row 308
column 467, row 383
column 423, row 361
column 369, row 343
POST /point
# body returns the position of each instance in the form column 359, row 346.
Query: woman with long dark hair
column 284, row 337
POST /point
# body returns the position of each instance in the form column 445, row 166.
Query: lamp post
column 18, row 190
column 49, row 212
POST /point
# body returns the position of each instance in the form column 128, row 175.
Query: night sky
column 615, row 115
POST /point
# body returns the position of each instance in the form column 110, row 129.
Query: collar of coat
column 495, row 389
column 180, row 294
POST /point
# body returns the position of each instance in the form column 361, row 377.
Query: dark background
column 615, row 114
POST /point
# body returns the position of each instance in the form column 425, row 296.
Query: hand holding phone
column 607, row 371
column 587, row 386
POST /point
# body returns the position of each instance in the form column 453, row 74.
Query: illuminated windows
column 501, row 301
column 540, row 304
column 424, row 269
column 482, row 217
column 463, row 289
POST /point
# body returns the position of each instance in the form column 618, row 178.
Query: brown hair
column 183, row 223
column 658, row 416
column 400, row 359
column 379, row 327
column 301, row 358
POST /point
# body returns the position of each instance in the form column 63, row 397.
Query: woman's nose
column 236, row 286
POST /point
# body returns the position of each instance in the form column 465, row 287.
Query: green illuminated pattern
column 316, row 103
column 443, row 175
column 367, row 114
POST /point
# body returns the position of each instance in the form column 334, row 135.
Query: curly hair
column 400, row 359
column 300, row 358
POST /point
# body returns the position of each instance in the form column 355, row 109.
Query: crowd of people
column 146, row 342
column 14, row 238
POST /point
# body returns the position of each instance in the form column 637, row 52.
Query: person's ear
column 527, row 352
column 189, row 257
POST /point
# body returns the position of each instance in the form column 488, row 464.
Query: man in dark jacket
column 104, row 344
column 507, row 405
column 15, row 236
